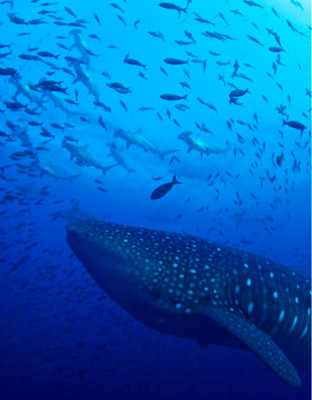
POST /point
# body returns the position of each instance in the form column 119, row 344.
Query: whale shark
column 189, row 287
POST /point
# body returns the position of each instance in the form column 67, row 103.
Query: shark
column 23, row 89
column 81, row 45
column 59, row 104
column 84, row 77
column 74, row 213
column 137, row 139
column 83, row 157
column 198, row 145
column 188, row 287
column 118, row 157
column 33, row 190
column 20, row 133
column 50, row 169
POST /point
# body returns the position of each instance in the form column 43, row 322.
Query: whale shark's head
column 130, row 261
column 103, row 248
column 151, row 274
column 124, row 260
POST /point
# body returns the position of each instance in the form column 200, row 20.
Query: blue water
column 61, row 336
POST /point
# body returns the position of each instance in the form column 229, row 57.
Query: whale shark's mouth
column 91, row 242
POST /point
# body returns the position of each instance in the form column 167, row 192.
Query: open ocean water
column 102, row 103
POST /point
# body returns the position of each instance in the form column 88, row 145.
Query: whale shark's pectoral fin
column 256, row 340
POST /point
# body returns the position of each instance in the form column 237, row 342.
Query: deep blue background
column 61, row 337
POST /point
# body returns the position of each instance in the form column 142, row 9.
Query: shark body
column 83, row 157
column 50, row 170
column 201, row 290
column 23, row 89
column 197, row 144
column 84, row 77
column 74, row 213
column 116, row 154
column 137, row 139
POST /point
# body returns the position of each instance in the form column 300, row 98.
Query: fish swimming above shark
column 192, row 288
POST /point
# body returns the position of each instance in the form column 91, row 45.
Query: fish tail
column 73, row 177
column 175, row 181
column 163, row 154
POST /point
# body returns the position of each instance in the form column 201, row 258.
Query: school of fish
column 204, row 109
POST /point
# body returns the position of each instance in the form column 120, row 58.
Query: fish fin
column 105, row 169
column 256, row 340
column 175, row 181
column 163, row 154
column 138, row 131
column 54, row 216
column 72, row 177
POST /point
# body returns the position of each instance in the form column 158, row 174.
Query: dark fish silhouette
column 161, row 190
column 173, row 97
column 279, row 159
column 171, row 6
column 295, row 124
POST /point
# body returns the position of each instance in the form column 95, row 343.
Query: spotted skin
column 188, row 287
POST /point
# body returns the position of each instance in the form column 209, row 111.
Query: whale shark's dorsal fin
column 138, row 131
column 255, row 339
